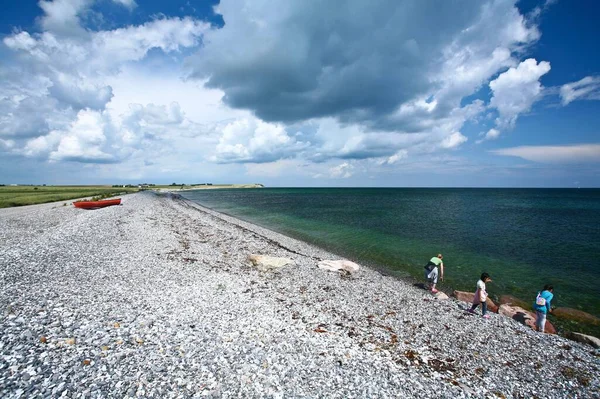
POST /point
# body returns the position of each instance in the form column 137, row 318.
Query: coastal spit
column 159, row 297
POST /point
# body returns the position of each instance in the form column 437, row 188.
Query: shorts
column 432, row 276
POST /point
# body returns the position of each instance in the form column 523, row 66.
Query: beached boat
column 96, row 204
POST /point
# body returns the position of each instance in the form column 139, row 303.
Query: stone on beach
column 586, row 339
column 468, row 297
column 441, row 296
column 524, row 317
column 335, row 265
column 266, row 263
column 463, row 296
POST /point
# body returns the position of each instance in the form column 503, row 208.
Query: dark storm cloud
column 357, row 61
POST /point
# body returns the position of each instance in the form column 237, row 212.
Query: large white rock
column 586, row 339
column 441, row 296
column 266, row 263
column 335, row 265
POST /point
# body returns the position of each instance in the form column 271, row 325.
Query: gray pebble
column 161, row 302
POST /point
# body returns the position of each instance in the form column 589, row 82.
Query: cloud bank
column 577, row 153
column 337, row 92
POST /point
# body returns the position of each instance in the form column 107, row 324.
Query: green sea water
column 524, row 238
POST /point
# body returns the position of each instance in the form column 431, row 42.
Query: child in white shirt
column 481, row 296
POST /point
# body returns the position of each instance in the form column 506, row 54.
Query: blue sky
column 494, row 93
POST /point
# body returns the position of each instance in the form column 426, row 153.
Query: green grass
column 28, row 195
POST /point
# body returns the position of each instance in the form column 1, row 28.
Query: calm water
column 524, row 238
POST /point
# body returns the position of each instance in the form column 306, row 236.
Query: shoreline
column 156, row 297
column 565, row 325
column 265, row 231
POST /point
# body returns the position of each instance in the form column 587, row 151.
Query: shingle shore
column 155, row 298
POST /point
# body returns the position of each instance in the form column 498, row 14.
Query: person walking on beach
column 542, row 306
column 481, row 296
column 431, row 271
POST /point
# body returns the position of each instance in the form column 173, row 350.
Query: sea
column 524, row 238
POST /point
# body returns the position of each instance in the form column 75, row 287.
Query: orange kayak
column 96, row 204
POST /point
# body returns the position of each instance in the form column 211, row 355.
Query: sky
column 379, row 93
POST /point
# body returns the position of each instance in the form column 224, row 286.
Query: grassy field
column 29, row 195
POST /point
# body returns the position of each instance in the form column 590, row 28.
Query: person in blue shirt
column 542, row 306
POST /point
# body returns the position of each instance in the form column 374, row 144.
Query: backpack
column 540, row 300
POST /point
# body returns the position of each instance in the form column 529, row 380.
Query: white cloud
column 577, row 153
column 334, row 140
column 42, row 146
column 483, row 49
column 6, row 144
column 537, row 11
column 198, row 103
column 153, row 119
column 515, row 90
column 66, row 17
column 20, row 41
column 98, row 53
column 63, row 16
column 491, row 134
column 113, row 48
column 141, row 124
column 47, row 78
column 399, row 155
column 454, row 140
column 28, row 116
column 96, row 137
column 587, row 88
column 78, row 92
column 355, row 141
column 341, row 171
column 130, row 4
column 84, row 140
column 54, row 93
column 252, row 140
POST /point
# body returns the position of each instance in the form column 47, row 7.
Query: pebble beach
column 156, row 298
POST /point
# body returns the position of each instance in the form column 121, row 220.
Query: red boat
column 96, row 204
